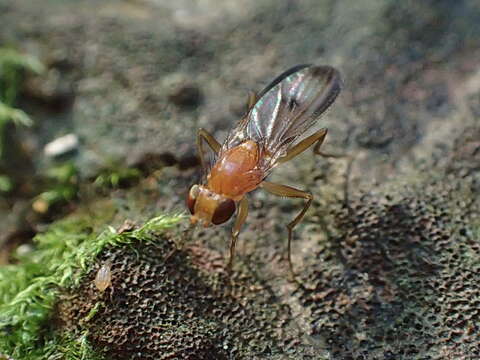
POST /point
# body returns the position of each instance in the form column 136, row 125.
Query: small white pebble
column 61, row 145
column 24, row 249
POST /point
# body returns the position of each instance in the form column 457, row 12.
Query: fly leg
column 303, row 145
column 252, row 99
column 214, row 144
column 239, row 221
column 287, row 191
column 316, row 149
column 318, row 137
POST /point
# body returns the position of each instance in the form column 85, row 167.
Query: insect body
column 103, row 279
column 271, row 133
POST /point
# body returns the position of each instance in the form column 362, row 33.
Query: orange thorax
column 235, row 173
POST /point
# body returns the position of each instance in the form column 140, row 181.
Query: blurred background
column 100, row 103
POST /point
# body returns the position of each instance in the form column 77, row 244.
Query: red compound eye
column 223, row 212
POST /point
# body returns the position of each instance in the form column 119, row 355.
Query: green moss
column 115, row 175
column 30, row 289
column 12, row 66
column 62, row 187
column 6, row 184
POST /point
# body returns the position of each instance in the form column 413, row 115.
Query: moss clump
column 169, row 303
column 30, row 289
column 63, row 187
column 115, row 175
column 12, row 66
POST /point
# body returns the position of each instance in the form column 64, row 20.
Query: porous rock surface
column 392, row 273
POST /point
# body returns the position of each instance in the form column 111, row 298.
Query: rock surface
column 388, row 256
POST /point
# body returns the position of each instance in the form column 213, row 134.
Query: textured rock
column 394, row 277
column 406, row 283
column 159, row 306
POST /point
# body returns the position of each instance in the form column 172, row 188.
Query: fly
column 272, row 132
column 103, row 278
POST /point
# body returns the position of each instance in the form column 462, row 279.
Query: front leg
column 239, row 221
column 287, row 191
column 214, row 144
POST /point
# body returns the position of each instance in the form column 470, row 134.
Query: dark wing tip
column 332, row 85
column 329, row 73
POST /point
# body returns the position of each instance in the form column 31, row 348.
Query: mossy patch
column 171, row 303
column 30, row 289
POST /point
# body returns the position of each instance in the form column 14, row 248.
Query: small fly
column 103, row 278
column 272, row 132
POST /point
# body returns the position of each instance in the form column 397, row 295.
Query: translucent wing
column 286, row 109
